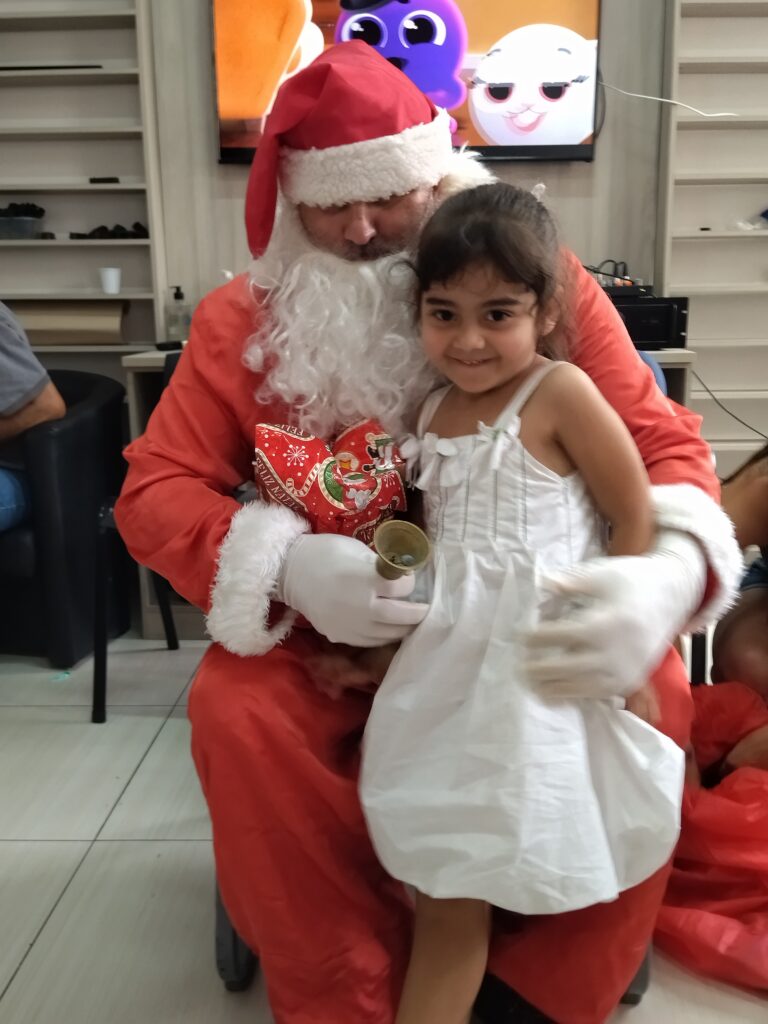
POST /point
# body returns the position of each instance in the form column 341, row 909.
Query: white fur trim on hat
column 464, row 171
column 367, row 171
column 250, row 559
column 688, row 508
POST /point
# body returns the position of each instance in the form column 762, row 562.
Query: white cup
column 110, row 280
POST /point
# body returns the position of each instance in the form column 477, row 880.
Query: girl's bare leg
column 448, row 960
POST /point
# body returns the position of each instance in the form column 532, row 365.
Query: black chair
column 105, row 551
column 47, row 564
column 108, row 541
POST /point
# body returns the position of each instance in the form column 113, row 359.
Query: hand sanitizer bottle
column 178, row 316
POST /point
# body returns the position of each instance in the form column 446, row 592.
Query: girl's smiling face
column 480, row 331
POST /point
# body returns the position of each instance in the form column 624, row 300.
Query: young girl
column 479, row 790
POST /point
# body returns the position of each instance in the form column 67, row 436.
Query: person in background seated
column 27, row 397
column 740, row 642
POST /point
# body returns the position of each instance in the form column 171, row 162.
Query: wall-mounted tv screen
column 519, row 77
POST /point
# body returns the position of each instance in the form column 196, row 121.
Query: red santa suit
column 278, row 760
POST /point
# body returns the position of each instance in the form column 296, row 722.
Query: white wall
column 606, row 209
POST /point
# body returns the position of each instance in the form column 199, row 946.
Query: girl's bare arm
column 602, row 450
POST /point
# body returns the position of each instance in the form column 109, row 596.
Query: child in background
column 479, row 789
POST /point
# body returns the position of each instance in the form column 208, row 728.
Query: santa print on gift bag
column 349, row 487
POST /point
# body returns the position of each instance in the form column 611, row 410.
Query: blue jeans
column 14, row 498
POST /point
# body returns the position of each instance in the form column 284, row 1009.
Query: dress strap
column 429, row 408
column 524, row 392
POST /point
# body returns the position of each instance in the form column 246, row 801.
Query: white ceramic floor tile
column 131, row 942
column 62, row 775
column 32, row 877
column 676, row 996
column 163, row 800
column 139, row 673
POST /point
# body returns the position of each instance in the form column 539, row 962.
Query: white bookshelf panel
column 79, row 102
column 105, row 363
column 729, row 92
column 33, row 267
column 732, row 366
column 81, row 213
column 746, row 117
column 750, row 406
column 717, row 207
column 71, row 158
column 724, row 8
column 716, row 317
column 724, row 261
column 723, row 150
column 714, row 35
column 52, row 46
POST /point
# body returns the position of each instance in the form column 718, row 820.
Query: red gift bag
column 349, row 487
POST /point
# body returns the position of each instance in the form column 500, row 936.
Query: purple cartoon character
column 427, row 39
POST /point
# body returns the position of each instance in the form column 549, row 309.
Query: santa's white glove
column 332, row 581
column 611, row 619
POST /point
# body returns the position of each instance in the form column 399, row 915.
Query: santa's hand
column 611, row 620
column 332, row 581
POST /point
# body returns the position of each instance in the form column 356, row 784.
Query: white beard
column 339, row 342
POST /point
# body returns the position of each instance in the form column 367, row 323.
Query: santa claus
column 320, row 333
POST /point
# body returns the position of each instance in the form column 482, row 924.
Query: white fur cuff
column 250, row 559
column 688, row 509
column 369, row 170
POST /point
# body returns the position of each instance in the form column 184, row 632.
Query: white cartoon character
column 536, row 87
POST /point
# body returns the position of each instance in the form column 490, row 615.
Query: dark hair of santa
column 502, row 227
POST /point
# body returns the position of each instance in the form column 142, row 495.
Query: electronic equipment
column 653, row 322
column 517, row 86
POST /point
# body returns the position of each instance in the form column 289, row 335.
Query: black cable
column 615, row 264
column 726, row 410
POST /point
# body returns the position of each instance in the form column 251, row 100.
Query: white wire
column 660, row 99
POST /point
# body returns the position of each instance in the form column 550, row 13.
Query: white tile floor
column 106, row 872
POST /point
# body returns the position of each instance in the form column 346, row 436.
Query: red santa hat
column 348, row 128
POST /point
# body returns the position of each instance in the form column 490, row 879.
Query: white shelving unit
column 714, row 174
column 77, row 92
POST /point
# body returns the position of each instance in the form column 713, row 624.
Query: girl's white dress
column 473, row 783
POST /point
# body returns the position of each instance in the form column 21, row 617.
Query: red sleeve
column 667, row 435
column 176, row 505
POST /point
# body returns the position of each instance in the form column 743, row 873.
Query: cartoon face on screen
column 536, row 87
column 426, row 39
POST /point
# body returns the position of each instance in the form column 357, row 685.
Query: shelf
column 748, row 288
column 108, row 129
column 674, row 358
column 689, row 235
column 723, row 63
column 734, row 177
column 69, row 76
column 732, row 393
column 723, row 9
column 727, row 343
column 28, row 186
column 69, row 243
column 74, row 294
column 745, row 119
column 80, row 16
column 115, row 349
